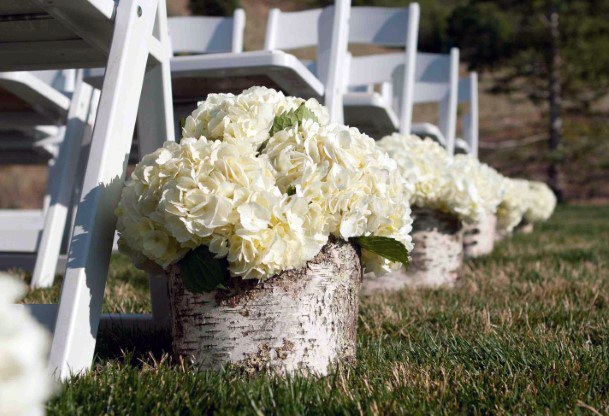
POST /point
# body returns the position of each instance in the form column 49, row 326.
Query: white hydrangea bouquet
column 256, row 186
column 25, row 384
column 458, row 185
column 525, row 200
column 541, row 202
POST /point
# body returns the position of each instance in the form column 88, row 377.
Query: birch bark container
column 437, row 257
column 479, row 237
column 301, row 320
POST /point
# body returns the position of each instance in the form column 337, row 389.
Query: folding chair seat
column 461, row 146
column 371, row 113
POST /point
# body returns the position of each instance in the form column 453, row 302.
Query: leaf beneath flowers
column 289, row 119
column 386, row 247
column 201, row 272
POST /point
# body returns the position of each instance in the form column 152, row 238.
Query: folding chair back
column 205, row 34
column 392, row 27
column 324, row 29
column 468, row 94
column 303, row 29
column 437, row 81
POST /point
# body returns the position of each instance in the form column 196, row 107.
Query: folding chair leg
column 448, row 122
column 155, row 125
column 61, row 185
column 91, row 245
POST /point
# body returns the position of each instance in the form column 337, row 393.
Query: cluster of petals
column 25, row 384
column 458, row 185
column 541, row 202
column 265, row 203
column 529, row 201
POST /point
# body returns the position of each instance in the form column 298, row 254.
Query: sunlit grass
column 527, row 331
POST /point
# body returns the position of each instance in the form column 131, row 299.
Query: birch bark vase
column 437, row 257
column 301, row 320
column 479, row 237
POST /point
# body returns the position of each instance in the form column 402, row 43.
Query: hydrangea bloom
column 490, row 185
column 541, row 202
column 347, row 177
column 525, row 200
column 25, row 384
column 246, row 117
column 512, row 208
column 265, row 203
column 439, row 181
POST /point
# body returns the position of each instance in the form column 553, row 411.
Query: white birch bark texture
column 302, row 320
column 479, row 237
column 437, row 257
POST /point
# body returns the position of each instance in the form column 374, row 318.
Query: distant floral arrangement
column 458, row 185
column 530, row 201
column 464, row 186
column 261, row 181
column 25, row 384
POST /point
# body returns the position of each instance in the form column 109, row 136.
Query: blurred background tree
column 213, row 7
column 548, row 49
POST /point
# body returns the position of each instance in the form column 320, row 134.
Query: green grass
column 526, row 332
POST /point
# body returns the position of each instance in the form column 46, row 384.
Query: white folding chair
column 127, row 34
column 201, row 35
column 437, row 81
column 381, row 113
column 192, row 35
column 468, row 95
column 325, row 29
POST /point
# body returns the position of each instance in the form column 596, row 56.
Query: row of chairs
column 379, row 90
column 58, row 111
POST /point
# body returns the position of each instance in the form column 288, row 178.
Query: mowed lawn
column 527, row 331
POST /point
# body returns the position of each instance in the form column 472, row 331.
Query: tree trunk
column 554, row 63
column 437, row 257
column 299, row 320
column 479, row 237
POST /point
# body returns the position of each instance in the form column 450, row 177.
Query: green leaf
column 303, row 113
column 289, row 119
column 291, row 190
column 201, row 272
column 386, row 247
